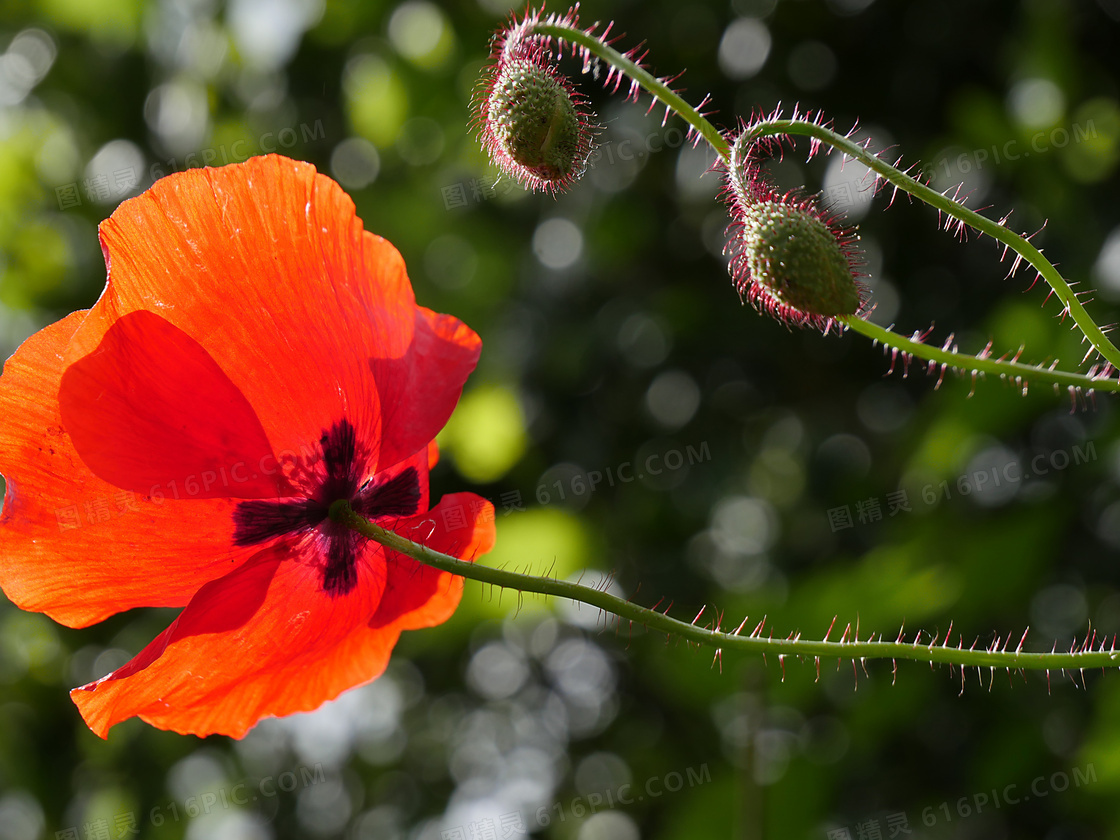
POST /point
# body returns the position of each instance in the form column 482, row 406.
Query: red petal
column 419, row 391
column 265, row 640
column 72, row 545
column 265, row 265
column 149, row 410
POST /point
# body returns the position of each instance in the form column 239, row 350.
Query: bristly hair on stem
column 1093, row 651
column 596, row 44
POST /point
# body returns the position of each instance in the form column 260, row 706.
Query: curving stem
column 713, row 636
column 899, row 179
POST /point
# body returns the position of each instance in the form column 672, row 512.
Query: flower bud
column 532, row 122
column 791, row 259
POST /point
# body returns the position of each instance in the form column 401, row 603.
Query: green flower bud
column 532, row 122
column 535, row 121
column 790, row 259
column 799, row 260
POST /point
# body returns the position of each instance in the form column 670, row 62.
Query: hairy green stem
column 1016, row 372
column 896, row 177
column 711, row 635
column 660, row 90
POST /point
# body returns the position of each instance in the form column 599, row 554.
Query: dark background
column 612, row 334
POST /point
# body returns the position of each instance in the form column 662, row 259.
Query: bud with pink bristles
column 532, row 122
column 790, row 259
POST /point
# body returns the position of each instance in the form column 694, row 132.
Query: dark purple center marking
column 335, row 476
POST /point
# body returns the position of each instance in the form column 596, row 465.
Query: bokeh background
column 771, row 472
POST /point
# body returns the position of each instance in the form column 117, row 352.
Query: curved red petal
column 266, row 266
column 150, row 409
column 419, row 390
column 266, row 640
column 72, row 545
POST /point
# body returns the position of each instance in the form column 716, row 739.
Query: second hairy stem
column 899, row 179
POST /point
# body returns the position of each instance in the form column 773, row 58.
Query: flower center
column 333, row 473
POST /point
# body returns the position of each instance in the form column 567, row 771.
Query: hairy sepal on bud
column 532, row 122
column 798, row 259
column 791, row 259
column 536, row 122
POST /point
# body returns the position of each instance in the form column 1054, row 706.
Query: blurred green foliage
column 614, row 346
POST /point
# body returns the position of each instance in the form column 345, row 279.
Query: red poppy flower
column 255, row 356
